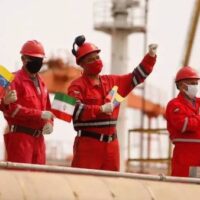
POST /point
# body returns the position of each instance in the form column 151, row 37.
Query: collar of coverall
column 186, row 99
column 91, row 81
column 25, row 75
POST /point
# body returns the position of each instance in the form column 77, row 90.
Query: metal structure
column 120, row 18
column 191, row 33
column 149, row 163
column 28, row 181
column 56, row 153
column 93, row 172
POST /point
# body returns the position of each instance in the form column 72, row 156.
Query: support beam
column 191, row 33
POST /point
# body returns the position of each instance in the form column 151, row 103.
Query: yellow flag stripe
column 119, row 98
column 114, row 90
column 6, row 74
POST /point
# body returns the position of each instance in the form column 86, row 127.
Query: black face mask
column 34, row 65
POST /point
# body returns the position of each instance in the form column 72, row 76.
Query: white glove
column 107, row 107
column 10, row 96
column 47, row 129
column 153, row 49
column 46, row 115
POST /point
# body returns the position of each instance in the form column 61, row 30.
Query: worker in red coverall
column 95, row 117
column 183, row 122
column 29, row 118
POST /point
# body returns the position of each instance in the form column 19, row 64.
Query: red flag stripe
column 62, row 115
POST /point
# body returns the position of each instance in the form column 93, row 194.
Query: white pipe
column 59, row 169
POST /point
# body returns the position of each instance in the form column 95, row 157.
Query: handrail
column 148, row 159
column 58, row 169
column 155, row 130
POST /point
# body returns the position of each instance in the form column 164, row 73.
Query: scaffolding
column 151, row 160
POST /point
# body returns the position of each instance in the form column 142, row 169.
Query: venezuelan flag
column 117, row 99
column 114, row 96
column 112, row 93
column 6, row 78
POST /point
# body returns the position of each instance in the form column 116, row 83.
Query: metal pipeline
column 27, row 181
column 59, row 169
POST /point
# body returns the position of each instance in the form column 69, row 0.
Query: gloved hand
column 10, row 96
column 46, row 115
column 107, row 107
column 47, row 129
column 153, row 49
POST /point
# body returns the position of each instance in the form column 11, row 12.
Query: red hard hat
column 33, row 48
column 85, row 49
column 186, row 73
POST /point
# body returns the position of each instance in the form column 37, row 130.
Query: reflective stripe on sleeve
column 142, row 72
column 139, row 75
column 80, row 108
column 185, row 125
column 15, row 111
column 135, row 81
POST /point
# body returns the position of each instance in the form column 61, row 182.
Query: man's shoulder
column 174, row 106
column 174, row 102
column 198, row 100
column 17, row 75
column 77, row 84
column 77, row 81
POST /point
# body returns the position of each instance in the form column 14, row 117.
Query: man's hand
column 10, row 96
column 107, row 107
column 47, row 129
column 153, row 49
column 47, row 115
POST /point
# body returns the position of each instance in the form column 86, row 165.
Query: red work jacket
column 26, row 111
column 87, row 115
column 183, row 119
column 2, row 105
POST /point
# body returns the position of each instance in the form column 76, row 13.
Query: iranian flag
column 63, row 106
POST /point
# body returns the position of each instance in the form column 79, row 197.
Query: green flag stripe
column 65, row 98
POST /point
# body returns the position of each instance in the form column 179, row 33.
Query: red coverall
column 26, row 112
column 2, row 105
column 90, row 152
column 183, row 124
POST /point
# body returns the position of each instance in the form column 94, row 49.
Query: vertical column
column 119, row 66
